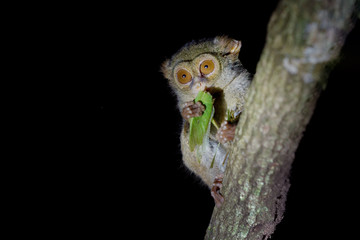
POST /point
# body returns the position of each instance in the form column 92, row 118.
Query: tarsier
column 213, row 66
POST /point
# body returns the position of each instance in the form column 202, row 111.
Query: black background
column 124, row 174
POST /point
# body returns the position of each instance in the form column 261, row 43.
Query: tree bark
column 304, row 39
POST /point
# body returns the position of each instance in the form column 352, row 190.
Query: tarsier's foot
column 215, row 190
column 192, row 109
column 226, row 132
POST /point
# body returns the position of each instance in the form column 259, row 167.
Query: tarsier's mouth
column 213, row 90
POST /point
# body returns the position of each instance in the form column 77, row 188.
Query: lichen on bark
column 304, row 36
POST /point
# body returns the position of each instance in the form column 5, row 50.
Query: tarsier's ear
column 165, row 69
column 228, row 45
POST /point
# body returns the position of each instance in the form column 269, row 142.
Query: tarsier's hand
column 226, row 132
column 192, row 109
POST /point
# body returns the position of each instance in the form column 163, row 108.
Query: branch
column 304, row 38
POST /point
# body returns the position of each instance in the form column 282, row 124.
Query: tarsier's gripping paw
column 215, row 190
column 192, row 109
column 226, row 132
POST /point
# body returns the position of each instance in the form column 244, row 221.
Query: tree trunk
column 304, row 39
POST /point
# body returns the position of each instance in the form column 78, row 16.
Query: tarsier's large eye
column 183, row 76
column 207, row 67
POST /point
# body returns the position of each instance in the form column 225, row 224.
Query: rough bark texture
column 304, row 37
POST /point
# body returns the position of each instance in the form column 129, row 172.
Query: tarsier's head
column 202, row 65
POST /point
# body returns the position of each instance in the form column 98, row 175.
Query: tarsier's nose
column 200, row 86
